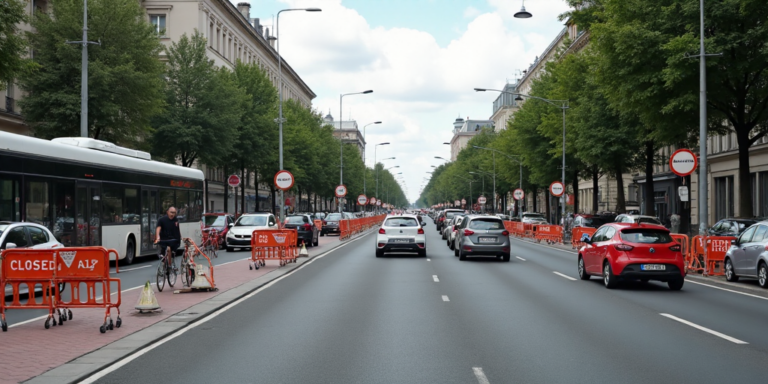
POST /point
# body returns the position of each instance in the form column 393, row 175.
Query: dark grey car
column 747, row 256
column 482, row 236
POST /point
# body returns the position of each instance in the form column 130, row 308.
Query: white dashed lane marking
column 445, row 298
column 434, row 277
column 705, row 329
column 480, row 375
column 520, row 258
column 564, row 275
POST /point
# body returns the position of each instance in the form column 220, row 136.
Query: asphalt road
column 349, row 317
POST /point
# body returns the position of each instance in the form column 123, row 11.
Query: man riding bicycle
column 167, row 233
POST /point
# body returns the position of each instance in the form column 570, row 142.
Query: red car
column 628, row 251
column 220, row 222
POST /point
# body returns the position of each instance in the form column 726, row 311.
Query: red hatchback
column 623, row 251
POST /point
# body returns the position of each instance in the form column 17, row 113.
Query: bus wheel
column 130, row 251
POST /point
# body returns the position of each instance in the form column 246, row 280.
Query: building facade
column 463, row 131
column 347, row 131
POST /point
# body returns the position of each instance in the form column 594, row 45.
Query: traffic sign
column 556, row 188
column 341, row 191
column 362, row 200
column 284, row 180
column 456, row 202
column 233, row 181
column 683, row 162
column 481, row 200
column 372, row 201
column 519, row 194
column 463, row 201
column 378, row 202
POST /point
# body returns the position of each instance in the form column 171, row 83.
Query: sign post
column 283, row 181
column 683, row 163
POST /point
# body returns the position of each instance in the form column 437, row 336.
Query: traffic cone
column 303, row 251
column 147, row 300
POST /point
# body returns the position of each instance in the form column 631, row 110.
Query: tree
column 203, row 107
column 12, row 43
column 124, row 72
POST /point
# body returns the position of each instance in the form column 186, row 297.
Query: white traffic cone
column 147, row 300
column 303, row 251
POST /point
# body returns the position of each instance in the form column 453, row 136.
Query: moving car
column 631, row 251
column 307, row 231
column 402, row 233
column 748, row 255
column 331, row 224
column 590, row 221
column 482, row 236
column 627, row 218
column 454, row 232
column 25, row 235
column 446, row 215
column 239, row 234
column 731, row 227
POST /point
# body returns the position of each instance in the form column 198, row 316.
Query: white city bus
column 90, row 192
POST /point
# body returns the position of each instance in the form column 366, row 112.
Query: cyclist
column 167, row 233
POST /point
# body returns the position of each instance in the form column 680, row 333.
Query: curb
column 97, row 360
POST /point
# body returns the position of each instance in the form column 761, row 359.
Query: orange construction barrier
column 684, row 244
column 577, row 233
column 528, row 231
column 717, row 246
column 350, row 227
column 273, row 244
column 31, row 269
column 515, row 228
column 191, row 250
column 549, row 233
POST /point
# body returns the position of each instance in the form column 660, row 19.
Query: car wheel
column 506, row 257
column 645, row 280
column 130, row 252
column 583, row 270
column 379, row 253
column 422, row 253
column 462, row 255
column 676, row 284
column 230, row 249
column 762, row 275
column 729, row 274
column 609, row 279
column 451, row 245
column 456, row 251
column 317, row 241
column 322, row 233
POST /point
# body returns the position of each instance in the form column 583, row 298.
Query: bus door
column 10, row 198
column 149, row 218
column 88, row 214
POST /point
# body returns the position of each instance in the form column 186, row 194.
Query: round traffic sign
column 284, row 180
column 362, row 200
column 556, row 188
column 481, row 200
column 463, row 201
column 341, row 191
column 378, row 202
column 372, row 201
column 233, row 181
column 456, row 202
column 519, row 194
column 683, row 162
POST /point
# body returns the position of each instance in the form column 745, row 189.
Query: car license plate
column 486, row 239
column 399, row 240
column 653, row 267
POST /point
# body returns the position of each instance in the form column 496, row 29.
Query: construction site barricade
column 528, row 230
column 274, row 244
column 548, row 233
column 29, row 269
column 577, row 233
column 714, row 254
column 515, row 228
column 197, row 276
column 685, row 244
column 694, row 259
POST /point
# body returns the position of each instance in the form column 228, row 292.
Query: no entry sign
column 519, row 194
column 683, row 162
column 481, row 200
column 362, row 200
column 284, row 180
column 233, row 181
column 556, row 188
column 372, row 201
column 341, row 191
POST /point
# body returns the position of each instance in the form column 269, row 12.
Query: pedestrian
column 674, row 221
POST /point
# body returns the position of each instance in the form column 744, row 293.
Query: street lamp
column 280, row 118
column 377, row 175
column 511, row 158
column 375, row 147
column 483, row 173
column 341, row 138
column 523, row 14
column 364, row 159
column 563, row 106
column 446, row 160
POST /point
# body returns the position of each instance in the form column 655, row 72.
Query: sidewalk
column 34, row 352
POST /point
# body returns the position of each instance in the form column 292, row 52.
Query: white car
column 625, row 218
column 454, row 231
column 239, row 234
column 401, row 233
column 25, row 235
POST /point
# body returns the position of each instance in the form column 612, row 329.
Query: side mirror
column 735, row 242
column 271, row 223
column 423, row 223
column 231, row 225
column 10, row 245
column 586, row 239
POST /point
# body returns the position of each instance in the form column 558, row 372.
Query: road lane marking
column 445, row 298
column 727, row 290
column 480, row 375
column 429, row 259
column 230, row 262
column 562, row 275
column 131, row 269
column 705, row 329
column 434, row 277
column 520, row 258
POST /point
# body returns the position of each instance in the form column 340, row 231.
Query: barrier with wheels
column 350, row 227
column 30, row 269
column 273, row 244
column 577, row 233
column 193, row 275
column 714, row 255
column 549, row 233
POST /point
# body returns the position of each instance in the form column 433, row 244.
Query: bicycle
column 167, row 270
column 211, row 241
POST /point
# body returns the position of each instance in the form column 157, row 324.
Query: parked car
column 331, row 224
column 627, row 218
column 239, row 234
column 454, row 231
column 307, row 231
column 731, row 227
column 590, row 221
column 630, row 251
column 402, row 233
column 748, row 255
column 482, row 236
column 220, row 222
column 447, row 226
column 446, row 215
column 25, row 235
column 533, row 218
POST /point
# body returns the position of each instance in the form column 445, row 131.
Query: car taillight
column 467, row 232
column 421, row 231
column 623, row 247
column 441, row 219
column 675, row 248
column 307, row 227
column 382, row 231
column 325, row 222
column 505, row 233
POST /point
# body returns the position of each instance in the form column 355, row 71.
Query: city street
column 349, row 317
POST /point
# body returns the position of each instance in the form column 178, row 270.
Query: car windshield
column 593, row 221
column 2, row 228
column 251, row 221
column 401, row 222
column 215, row 221
column 486, row 224
column 334, row 217
column 294, row 220
column 648, row 220
column 450, row 215
column 646, row 236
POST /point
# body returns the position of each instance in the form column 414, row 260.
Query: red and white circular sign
column 233, row 181
column 341, row 191
column 284, row 180
column 518, row 194
column 456, row 202
column 362, row 200
column 463, row 201
column 481, row 200
column 378, row 202
column 683, row 162
column 372, row 201
column 556, row 189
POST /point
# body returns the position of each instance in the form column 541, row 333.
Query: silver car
column 747, row 255
column 626, row 218
column 482, row 236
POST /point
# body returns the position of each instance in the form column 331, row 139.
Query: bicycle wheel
column 183, row 270
column 173, row 271
column 161, row 276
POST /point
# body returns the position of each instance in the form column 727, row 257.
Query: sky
column 421, row 58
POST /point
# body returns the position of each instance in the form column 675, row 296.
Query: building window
column 723, row 197
column 158, row 22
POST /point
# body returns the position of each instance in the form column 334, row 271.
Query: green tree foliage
column 124, row 74
column 203, row 107
column 12, row 43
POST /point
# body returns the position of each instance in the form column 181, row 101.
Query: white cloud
column 419, row 86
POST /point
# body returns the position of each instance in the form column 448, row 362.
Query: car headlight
column 230, row 234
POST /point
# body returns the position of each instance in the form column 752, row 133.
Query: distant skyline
column 422, row 58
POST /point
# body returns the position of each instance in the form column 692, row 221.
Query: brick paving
column 30, row 350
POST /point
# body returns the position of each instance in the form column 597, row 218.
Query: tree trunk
column 745, row 188
column 207, row 197
column 226, row 193
column 257, row 208
column 243, row 181
column 534, row 198
column 621, row 201
column 650, row 210
column 595, row 188
column 575, row 191
column 314, row 208
column 274, row 199
column 547, row 207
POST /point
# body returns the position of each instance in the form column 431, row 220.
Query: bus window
column 131, row 206
column 64, row 212
column 166, row 200
column 182, row 205
column 9, row 200
column 112, row 198
column 37, row 203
